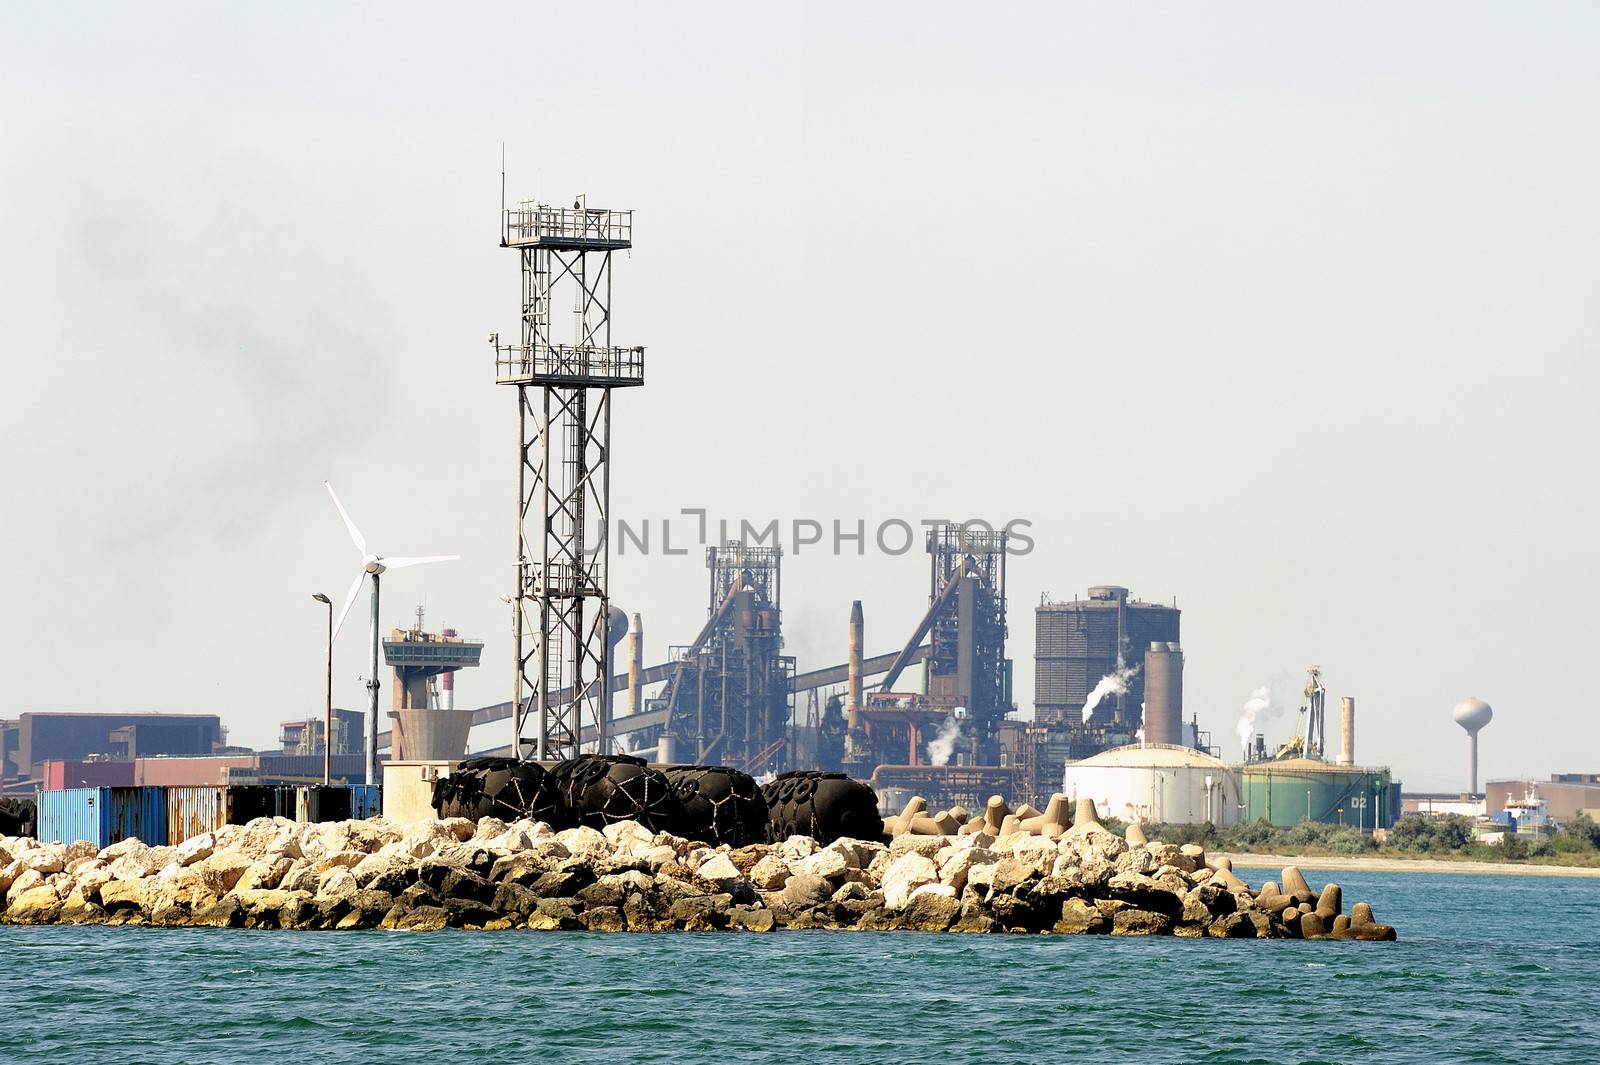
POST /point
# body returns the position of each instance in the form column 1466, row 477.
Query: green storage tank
column 1287, row 792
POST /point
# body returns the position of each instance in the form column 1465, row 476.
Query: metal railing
column 534, row 223
column 568, row 364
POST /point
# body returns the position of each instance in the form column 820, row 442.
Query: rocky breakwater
column 490, row 874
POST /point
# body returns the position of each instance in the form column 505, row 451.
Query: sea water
column 1487, row 969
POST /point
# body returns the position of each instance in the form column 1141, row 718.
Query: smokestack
column 1163, row 694
column 447, row 691
column 1347, row 731
column 853, row 700
column 635, row 664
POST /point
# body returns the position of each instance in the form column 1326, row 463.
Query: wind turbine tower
column 562, row 604
column 373, row 565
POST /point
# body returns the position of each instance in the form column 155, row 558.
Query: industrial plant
column 930, row 713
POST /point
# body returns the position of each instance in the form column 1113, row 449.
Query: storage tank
column 1163, row 694
column 1287, row 792
column 1156, row 783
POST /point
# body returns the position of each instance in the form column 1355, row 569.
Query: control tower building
column 426, row 724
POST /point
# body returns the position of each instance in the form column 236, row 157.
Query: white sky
column 1286, row 310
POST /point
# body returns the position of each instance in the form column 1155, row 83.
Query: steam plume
column 1113, row 683
column 1259, row 703
column 942, row 746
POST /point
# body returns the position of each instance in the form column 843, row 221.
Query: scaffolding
column 561, row 600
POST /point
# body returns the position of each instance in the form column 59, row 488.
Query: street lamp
column 327, row 708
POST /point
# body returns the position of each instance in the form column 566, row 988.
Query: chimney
column 1347, row 731
column 853, row 700
column 1163, row 694
column 635, row 664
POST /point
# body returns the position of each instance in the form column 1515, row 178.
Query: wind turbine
column 372, row 565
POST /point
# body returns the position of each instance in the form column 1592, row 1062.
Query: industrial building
column 727, row 698
column 304, row 735
column 1299, row 784
column 1078, row 643
column 1566, row 795
column 35, row 738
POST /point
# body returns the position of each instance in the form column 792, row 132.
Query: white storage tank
column 1157, row 783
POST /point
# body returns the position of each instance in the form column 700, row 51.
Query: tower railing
column 532, row 224
column 586, row 366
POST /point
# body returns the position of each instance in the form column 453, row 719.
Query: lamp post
column 327, row 707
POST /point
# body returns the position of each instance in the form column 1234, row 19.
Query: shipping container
column 366, row 800
column 58, row 775
column 103, row 816
column 195, row 810
column 320, row 802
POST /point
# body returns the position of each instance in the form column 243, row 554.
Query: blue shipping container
column 366, row 800
column 104, row 816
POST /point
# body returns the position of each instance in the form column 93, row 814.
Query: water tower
column 1472, row 714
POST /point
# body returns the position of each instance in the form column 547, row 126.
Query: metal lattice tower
column 564, row 467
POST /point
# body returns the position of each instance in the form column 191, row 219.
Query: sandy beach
column 1406, row 865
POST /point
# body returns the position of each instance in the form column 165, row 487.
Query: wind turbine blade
column 402, row 563
column 355, row 533
column 350, row 601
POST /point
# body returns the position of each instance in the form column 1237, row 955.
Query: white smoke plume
column 1259, row 704
column 1113, row 683
column 942, row 746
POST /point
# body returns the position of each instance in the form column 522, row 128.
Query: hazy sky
column 1288, row 311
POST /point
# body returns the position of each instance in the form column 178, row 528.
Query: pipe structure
column 853, row 703
column 635, row 665
column 1347, row 731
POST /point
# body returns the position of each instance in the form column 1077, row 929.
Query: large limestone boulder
column 720, row 870
column 830, row 863
column 26, row 880
column 796, row 847
column 930, row 908
column 625, row 834
column 905, row 874
column 267, row 873
column 584, row 842
column 957, row 864
column 47, row 860
column 37, row 905
column 222, row 870
column 770, row 873
column 196, row 848
column 1136, row 922
column 117, row 895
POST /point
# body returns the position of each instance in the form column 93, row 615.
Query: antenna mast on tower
column 562, row 604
